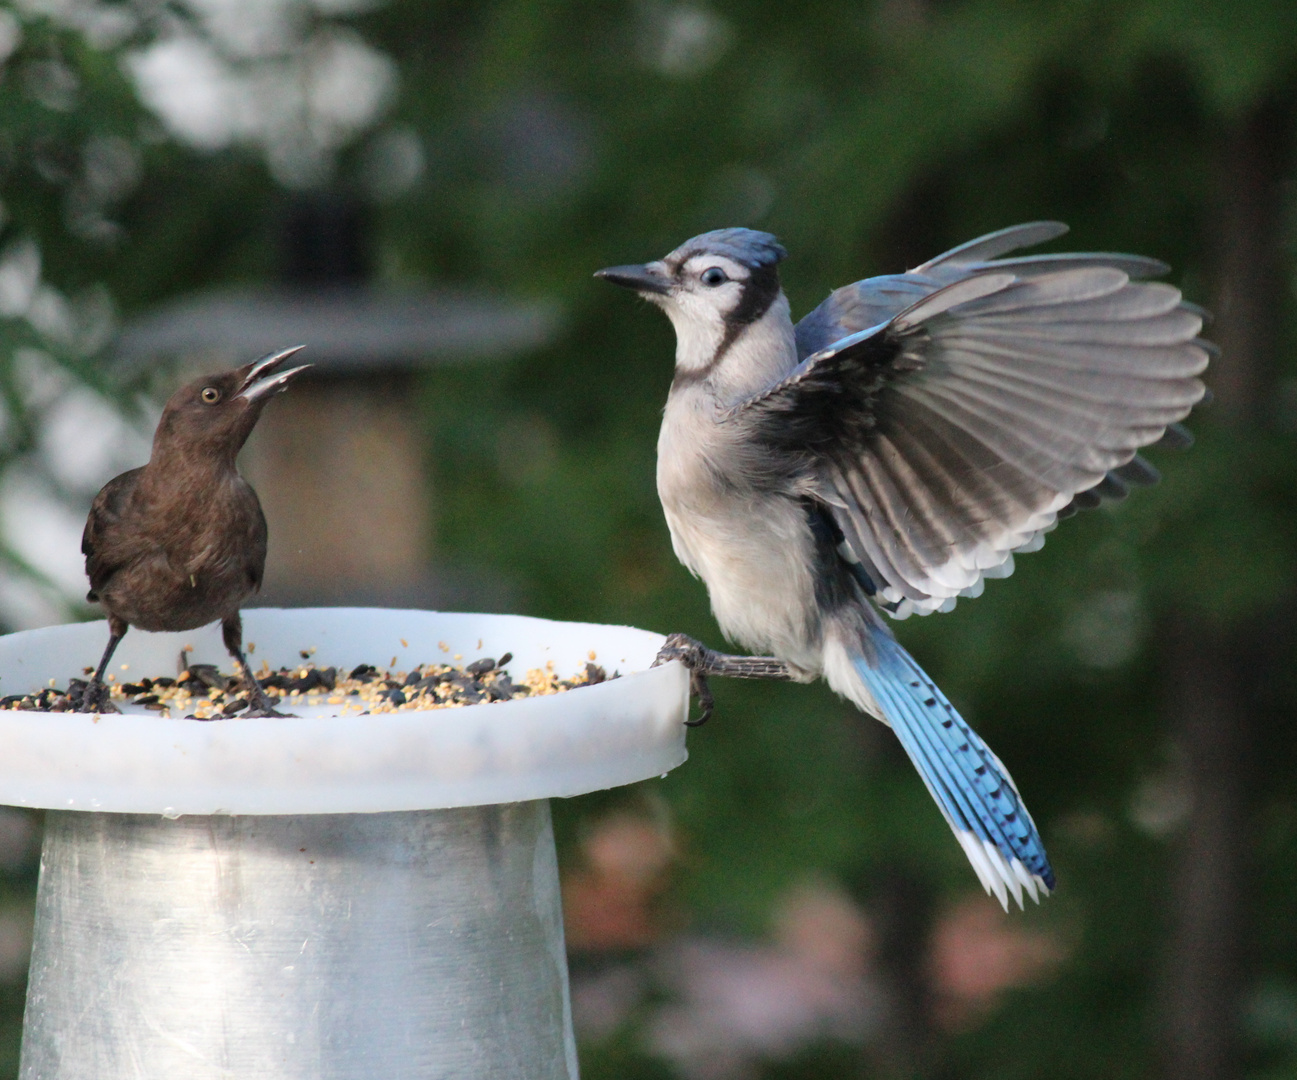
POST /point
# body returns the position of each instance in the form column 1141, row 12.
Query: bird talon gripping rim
column 893, row 450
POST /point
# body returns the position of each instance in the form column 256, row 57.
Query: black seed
column 307, row 682
column 237, row 705
column 500, row 690
column 481, row 667
column 146, row 699
column 303, row 654
column 394, row 696
column 504, row 659
column 365, row 673
column 208, row 675
column 594, row 674
column 329, row 678
column 164, row 682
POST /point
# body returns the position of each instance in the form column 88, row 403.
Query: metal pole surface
column 393, row 946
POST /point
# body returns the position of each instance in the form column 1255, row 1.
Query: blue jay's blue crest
column 893, row 451
column 746, row 246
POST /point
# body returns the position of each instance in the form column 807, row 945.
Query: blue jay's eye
column 713, row 275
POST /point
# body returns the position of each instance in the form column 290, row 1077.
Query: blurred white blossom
column 268, row 73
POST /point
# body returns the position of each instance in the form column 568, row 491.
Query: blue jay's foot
column 702, row 662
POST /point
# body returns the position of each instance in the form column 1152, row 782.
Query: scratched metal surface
column 378, row 946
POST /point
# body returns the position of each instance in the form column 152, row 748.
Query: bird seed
column 203, row 692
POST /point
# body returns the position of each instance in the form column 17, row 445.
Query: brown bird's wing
column 254, row 549
column 107, row 549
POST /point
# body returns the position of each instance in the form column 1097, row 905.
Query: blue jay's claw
column 693, row 654
column 702, row 662
column 706, row 703
column 689, row 651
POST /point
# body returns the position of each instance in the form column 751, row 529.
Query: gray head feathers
column 745, row 246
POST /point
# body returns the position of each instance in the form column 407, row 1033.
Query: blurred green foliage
column 565, row 136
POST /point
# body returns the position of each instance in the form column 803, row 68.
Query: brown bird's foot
column 256, row 701
column 96, row 698
column 702, row 662
column 259, row 701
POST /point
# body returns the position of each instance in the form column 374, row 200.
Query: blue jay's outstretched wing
column 957, row 429
column 876, row 300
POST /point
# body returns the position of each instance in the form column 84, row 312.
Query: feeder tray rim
column 585, row 739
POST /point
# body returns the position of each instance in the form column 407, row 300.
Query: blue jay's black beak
column 639, row 278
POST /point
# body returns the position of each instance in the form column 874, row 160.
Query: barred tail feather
column 971, row 786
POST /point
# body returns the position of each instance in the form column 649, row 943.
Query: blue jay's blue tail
column 972, row 787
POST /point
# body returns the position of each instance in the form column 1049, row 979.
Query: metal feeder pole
column 348, row 946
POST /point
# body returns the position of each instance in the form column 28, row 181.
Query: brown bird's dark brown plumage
column 181, row 542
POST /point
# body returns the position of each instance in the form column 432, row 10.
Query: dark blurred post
column 341, row 471
column 903, row 907
column 1212, row 667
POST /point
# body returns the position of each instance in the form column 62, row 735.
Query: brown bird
column 181, row 542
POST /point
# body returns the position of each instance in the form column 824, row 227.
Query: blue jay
column 893, row 450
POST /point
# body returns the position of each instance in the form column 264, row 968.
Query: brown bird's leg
column 95, row 698
column 259, row 702
column 702, row 662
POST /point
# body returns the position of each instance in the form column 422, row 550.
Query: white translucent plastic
column 586, row 739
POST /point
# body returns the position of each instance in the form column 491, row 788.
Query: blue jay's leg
column 702, row 662
column 969, row 783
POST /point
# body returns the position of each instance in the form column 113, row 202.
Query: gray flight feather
column 963, row 431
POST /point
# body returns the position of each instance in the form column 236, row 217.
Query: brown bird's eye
column 211, row 395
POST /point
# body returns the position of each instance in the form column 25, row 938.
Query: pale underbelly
column 757, row 567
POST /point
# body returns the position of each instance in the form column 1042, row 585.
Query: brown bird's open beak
column 263, row 378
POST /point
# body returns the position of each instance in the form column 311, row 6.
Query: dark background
column 789, row 903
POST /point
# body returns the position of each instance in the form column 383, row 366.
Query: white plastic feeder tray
column 326, row 896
